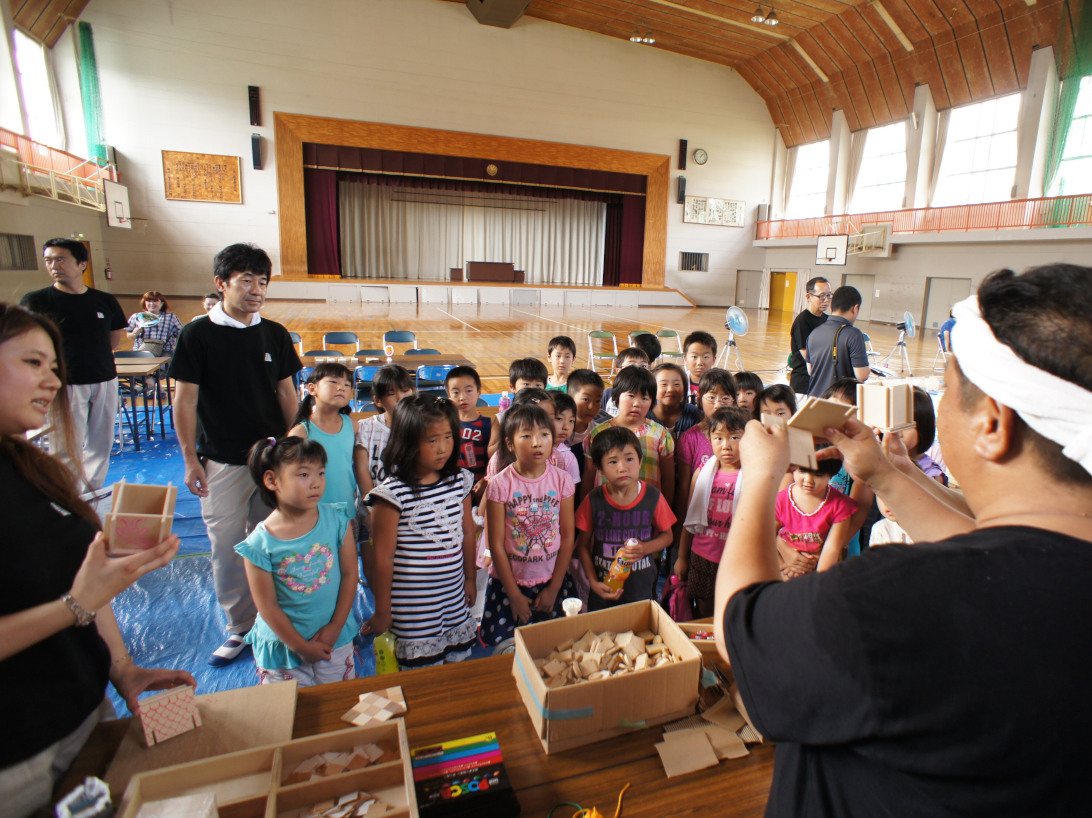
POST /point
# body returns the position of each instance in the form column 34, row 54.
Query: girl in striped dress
column 423, row 534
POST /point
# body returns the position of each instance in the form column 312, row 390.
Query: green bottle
column 385, row 660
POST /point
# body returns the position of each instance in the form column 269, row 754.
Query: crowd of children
column 447, row 506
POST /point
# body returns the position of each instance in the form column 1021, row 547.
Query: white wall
column 901, row 279
column 174, row 75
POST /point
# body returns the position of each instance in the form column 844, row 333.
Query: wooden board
column 201, row 177
column 231, row 720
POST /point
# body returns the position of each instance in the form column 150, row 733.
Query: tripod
column 726, row 351
column 904, row 359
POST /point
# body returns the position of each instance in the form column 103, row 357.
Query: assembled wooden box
column 253, row 783
column 886, row 406
column 574, row 715
column 140, row 517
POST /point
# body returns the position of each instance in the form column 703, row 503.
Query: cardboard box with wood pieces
column 573, row 715
column 140, row 517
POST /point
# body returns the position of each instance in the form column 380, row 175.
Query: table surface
column 479, row 696
column 410, row 362
column 129, row 367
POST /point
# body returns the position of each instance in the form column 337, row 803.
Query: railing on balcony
column 1059, row 211
column 39, row 170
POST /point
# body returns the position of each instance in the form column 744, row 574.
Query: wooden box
column 707, row 647
column 888, row 407
column 252, row 783
column 140, row 517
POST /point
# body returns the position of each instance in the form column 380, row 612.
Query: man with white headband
column 949, row 677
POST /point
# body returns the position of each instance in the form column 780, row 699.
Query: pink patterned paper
column 169, row 714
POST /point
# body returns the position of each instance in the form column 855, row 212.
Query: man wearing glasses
column 814, row 314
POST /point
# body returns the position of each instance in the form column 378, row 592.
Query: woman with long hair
column 59, row 641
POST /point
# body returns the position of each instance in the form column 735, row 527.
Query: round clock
column 700, row 156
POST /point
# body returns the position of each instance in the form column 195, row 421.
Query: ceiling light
column 635, row 37
column 758, row 16
column 648, row 39
column 771, row 18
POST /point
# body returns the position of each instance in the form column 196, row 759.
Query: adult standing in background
column 837, row 349
column 92, row 324
column 234, row 387
column 818, row 297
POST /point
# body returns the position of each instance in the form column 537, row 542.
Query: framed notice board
column 201, row 177
column 722, row 212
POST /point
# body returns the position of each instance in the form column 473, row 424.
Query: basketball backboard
column 117, row 204
column 831, row 250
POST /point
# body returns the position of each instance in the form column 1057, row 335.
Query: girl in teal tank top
column 324, row 418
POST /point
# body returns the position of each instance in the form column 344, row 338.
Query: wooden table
column 479, row 696
column 410, row 362
column 134, row 370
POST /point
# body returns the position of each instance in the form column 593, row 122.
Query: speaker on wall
column 682, row 154
column 256, row 149
column 681, row 198
column 255, row 106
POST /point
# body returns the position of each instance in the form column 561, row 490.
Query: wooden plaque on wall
column 201, row 177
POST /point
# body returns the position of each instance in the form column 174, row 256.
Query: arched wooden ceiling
column 863, row 57
column 45, row 20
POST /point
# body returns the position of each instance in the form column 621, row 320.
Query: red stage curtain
column 323, row 230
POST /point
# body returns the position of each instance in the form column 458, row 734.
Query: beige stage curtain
column 390, row 232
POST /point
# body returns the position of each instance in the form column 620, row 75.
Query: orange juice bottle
column 620, row 568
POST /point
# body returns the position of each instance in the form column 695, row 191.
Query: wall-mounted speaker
column 682, row 154
column 256, row 149
column 681, row 198
column 255, row 106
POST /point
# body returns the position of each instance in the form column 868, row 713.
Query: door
column 866, row 286
column 782, row 291
column 748, row 286
column 940, row 295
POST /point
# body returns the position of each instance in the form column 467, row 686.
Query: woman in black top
column 59, row 641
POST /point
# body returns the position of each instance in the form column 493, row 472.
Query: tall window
column 808, row 194
column 1075, row 169
column 979, row 163
column 882, row 177
column 37, row 92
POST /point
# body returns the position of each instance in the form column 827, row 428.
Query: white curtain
column 764, row 290
column 391, row 232
column 800, row 298
column 938, row 156
column 856, row 157
column 781, row 203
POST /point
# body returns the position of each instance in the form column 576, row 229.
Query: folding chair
column 423, row 351
column 942, row 355
column 362, row 382
column 634, row 334
column 369, row 353
column 596, row 357
column 400, row 336
column 297, row 340
column 431, row 378
column 665, row 334
column 340, row 339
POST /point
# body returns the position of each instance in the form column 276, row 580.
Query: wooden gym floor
column 493, row 335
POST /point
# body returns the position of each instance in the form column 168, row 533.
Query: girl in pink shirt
column 530, row 526
column 813, row 520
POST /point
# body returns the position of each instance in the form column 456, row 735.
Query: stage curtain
column 321, row 206
column 419, row 231
column 612, row 249
column 633, row 239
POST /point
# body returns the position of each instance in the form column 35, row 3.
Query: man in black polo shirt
column 234, row 373
column 92, row 325
column 837, row 349
column 813, row 315
column 948, row 677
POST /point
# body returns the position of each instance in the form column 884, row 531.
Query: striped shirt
column 428, row 596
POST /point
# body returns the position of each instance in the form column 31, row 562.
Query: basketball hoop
column 134, row 223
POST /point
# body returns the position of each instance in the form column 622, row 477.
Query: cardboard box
column 574, row 715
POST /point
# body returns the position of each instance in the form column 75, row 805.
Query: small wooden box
column 707, row 647
column 250, row 783
column 884, row 406
column 140, row 517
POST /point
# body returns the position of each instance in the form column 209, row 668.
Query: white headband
column 1057, row 409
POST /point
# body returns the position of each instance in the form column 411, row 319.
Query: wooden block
column 140, row 517
column 169, row 714
column 888, row 407
column 376, row 707
column 816, row 414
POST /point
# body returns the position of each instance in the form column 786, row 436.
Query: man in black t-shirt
column 234, row 374
column 818, row 297
column 92, row 325
column 948, row 677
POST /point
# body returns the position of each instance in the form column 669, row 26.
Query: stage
column 473, row 293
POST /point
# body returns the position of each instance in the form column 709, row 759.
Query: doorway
column 782, row 291
column 748, row 287
column 866, row 286
column 940, row 295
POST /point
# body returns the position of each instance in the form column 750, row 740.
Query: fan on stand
column 737, row 324
column 906, row 330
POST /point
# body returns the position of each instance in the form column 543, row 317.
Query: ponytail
column 324, row 370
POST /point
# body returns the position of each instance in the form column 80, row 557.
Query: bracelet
column 83, row 616
column 125, row 658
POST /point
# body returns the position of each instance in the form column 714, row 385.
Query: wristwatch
column 83, row 616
